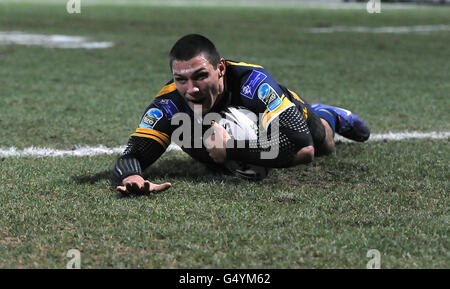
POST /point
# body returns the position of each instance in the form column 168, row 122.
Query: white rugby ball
column 242, row 124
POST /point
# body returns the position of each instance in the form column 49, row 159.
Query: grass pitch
column 389, row 196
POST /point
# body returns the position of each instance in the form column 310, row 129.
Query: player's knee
column 327, row 147
column 309, row 153
column 304, row 156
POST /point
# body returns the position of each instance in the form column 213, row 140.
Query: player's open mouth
column 195, row 101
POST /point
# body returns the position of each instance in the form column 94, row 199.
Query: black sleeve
column 147, row 143
column 293, row 135
column 139, row 154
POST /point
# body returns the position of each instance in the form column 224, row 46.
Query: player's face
column 198, row 81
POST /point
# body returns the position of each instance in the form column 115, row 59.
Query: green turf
column 390, row 196
column 327, row 215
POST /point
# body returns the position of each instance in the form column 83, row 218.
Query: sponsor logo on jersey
column 252, row 83
column 269, row 96
column 167, row 106
column 150, row 119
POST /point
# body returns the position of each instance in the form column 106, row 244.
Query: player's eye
column 202, row 76
column 180, row 80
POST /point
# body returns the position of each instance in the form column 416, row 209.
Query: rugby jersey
column 246, row 85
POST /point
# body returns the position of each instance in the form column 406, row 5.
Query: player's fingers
column 122, row 189
column 133, row 188
column 223, row 131
column 159, row 188
column 129, row 187
column 220, row 132
column 137, row 188
column 146, row 186
column 216, row 127
column 209, row 142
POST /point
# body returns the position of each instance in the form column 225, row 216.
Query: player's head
column 192, row 45
column 197, row 70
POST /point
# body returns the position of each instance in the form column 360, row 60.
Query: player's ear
column 221, row 67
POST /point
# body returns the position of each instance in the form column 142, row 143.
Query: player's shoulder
column 239, row 69
column 167, row 101
column 167, row 90
column 243, row 65
column 246, row 77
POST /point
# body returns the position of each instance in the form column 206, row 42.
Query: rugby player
column 205, row 83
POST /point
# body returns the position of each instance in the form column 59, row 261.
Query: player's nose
column 192, row 89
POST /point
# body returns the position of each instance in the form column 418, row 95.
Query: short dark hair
column 192, row 45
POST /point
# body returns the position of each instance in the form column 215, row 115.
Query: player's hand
column 135, row 184
column 216, row 144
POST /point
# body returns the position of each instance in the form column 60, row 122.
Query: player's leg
column 327, row 147
column 321, row 132
column 343, row 122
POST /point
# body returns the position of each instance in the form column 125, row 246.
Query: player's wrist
column 132, row 178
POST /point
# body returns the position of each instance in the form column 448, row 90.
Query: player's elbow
column 304, row 156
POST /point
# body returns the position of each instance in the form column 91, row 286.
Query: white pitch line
column 81, row 151
column 52, row 41
column 398, row 136
column 84, row 151
column 382, row 29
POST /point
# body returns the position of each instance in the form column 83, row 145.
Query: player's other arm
column 293, row 144
column 293, row 126
column 288, row 139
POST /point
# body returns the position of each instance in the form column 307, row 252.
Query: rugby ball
column 242, row 124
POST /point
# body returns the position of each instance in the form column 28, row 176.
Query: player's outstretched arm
column 136, row 184
column 127, row 172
